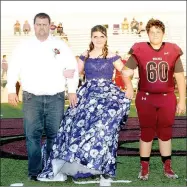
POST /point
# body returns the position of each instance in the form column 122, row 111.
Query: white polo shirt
column 40, row 69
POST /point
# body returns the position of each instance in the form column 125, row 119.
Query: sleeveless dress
column 87, row 140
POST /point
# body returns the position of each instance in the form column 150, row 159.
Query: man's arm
column 12, row 76
column 70, row 73
column 71, row 64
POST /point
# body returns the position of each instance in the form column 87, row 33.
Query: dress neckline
column 95, row 58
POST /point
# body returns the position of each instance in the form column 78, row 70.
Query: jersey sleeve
column 178, row 63
column 178, row 50
column 134, row 49
column 132, row 62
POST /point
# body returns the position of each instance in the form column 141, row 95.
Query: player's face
column 155, row 35
column 98, row 39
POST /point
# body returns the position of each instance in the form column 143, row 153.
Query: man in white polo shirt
column 40, row 62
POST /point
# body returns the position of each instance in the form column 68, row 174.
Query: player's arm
column 118, row 64
column 130, row 65
column 180, row 80
column 13, row 74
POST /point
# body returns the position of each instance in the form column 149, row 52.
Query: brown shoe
column 144, row 172
column 168, row 172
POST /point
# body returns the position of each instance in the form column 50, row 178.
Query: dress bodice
column 99, row 68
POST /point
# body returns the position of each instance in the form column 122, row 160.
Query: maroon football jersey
column 156, row 67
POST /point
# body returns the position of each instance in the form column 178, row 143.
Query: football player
column 158, row 64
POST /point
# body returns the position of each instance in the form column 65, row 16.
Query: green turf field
column 15, row 171
column 8, row 111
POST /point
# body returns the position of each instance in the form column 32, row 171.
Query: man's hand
column 69, row 73
column 181, row 108
column 72, row 99
column 13, row 99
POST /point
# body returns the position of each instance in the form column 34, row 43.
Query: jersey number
column 157, row 71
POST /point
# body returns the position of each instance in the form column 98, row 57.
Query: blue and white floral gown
column 87, row 140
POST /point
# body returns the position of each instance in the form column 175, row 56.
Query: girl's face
column 98, row 39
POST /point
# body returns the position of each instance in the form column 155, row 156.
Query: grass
column 127, row 169
column 8, row 111
column 177, row 144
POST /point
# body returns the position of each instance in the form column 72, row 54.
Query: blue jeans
column 43, row 112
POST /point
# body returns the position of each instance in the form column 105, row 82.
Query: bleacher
column 79, row 40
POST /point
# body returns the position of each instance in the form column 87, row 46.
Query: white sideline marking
column 17, row 184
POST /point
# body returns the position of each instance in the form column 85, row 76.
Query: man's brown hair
column 155, row 22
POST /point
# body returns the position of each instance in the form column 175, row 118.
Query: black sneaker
column 32, row 178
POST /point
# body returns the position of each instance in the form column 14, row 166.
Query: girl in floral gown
column 87, row 140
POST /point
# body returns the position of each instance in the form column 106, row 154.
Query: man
column 53, row 28
column 40, row 62
column 134, row 25
column 156, row 104
column 17, row 28
column 26, row 28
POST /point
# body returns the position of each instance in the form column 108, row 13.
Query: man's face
column 42, row 27
column 155, row 35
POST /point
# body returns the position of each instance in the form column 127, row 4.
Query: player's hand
column 13, row 99
column 129, row 93
column 72, row 99
column 181, row 108
column 69, row 73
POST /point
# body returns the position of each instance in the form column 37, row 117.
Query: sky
column 32, row 7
